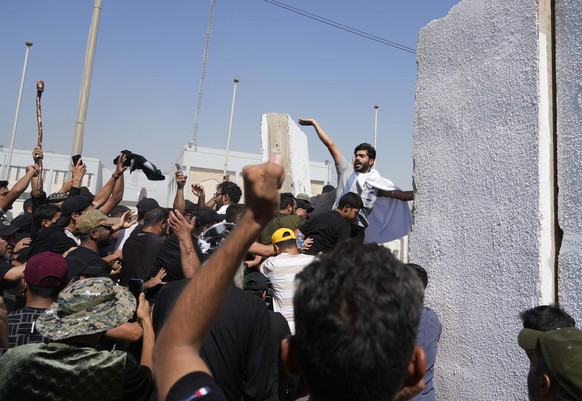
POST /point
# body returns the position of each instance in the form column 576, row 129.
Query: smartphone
column 136, row 288
column 178, row 167
column 75, row 159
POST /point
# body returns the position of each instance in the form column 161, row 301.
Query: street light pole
column 86, row 83
column 375, row 123
column 5, row 170
column 230, row 127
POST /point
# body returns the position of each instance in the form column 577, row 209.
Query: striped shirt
column 281, row 271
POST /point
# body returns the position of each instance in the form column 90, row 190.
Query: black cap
column 255, row 281
column 7, row 229
column 75, row 204
column 206, row 216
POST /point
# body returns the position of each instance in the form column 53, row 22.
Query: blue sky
column 147, row 71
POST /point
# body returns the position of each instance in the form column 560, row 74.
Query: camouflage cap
column 89, row 306
column 92, row 219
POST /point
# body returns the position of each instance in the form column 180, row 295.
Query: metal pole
column 5, row 170
column 86, row 83
column 230, row 127
column 375, row 123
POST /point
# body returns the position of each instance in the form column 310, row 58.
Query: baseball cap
column 7, row 229
column 92, row 219
column 561, row 350
column 207, row 215
column 88, row 306
column 282, row 234
column 304, row 197
column 44, row 265
column 75, row 204
column 255, row 281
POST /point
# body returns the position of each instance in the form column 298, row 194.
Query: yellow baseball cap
column 282, row 234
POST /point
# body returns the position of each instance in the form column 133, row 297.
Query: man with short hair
column 45, row 276
column 392, row 220
column 357, row 310
column 140, row 251
column 281, row 270
column 555, row 363
column 329, row 228
column 286, row 218
column 95, row 229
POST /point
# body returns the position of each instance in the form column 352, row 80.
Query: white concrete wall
column 280, row 135
column 569, row 112
column 483, row 208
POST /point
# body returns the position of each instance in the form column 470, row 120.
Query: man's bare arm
column 179, row 199
column 334, row 151
column 398, row 194
column 112, row 190
column 183, row 231
column 18, row 189
column 198, row 190
column 36, row 181
column 178, row 346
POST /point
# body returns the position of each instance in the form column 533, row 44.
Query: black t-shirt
column 196, row 386
column 91, row 258
column 239, row 348
column 169, row 258
column 51, row 239
column 139, row 254
column 326, row 229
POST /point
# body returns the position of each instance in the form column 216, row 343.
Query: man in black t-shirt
column 140, row 251
column 329, row 228
column 95, row 229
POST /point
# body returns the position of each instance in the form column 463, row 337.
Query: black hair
column 234, row 212
column 420, row 272
column 26, row 204
column 286, row 199
column 155, row 216
column 118, row 211
column 368, row 148
column 231, row 189
column 352, row 200
column 357, row 310
column 46, row 292
column 546, row 318
column 46, row 211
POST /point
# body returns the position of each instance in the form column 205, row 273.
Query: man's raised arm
column 177, row 348
column 334, row 151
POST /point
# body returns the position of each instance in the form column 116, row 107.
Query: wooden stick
column 39, row 91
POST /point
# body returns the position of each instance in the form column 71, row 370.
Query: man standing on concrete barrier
column 392, row 218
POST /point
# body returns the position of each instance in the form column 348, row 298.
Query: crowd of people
column 285, row 297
